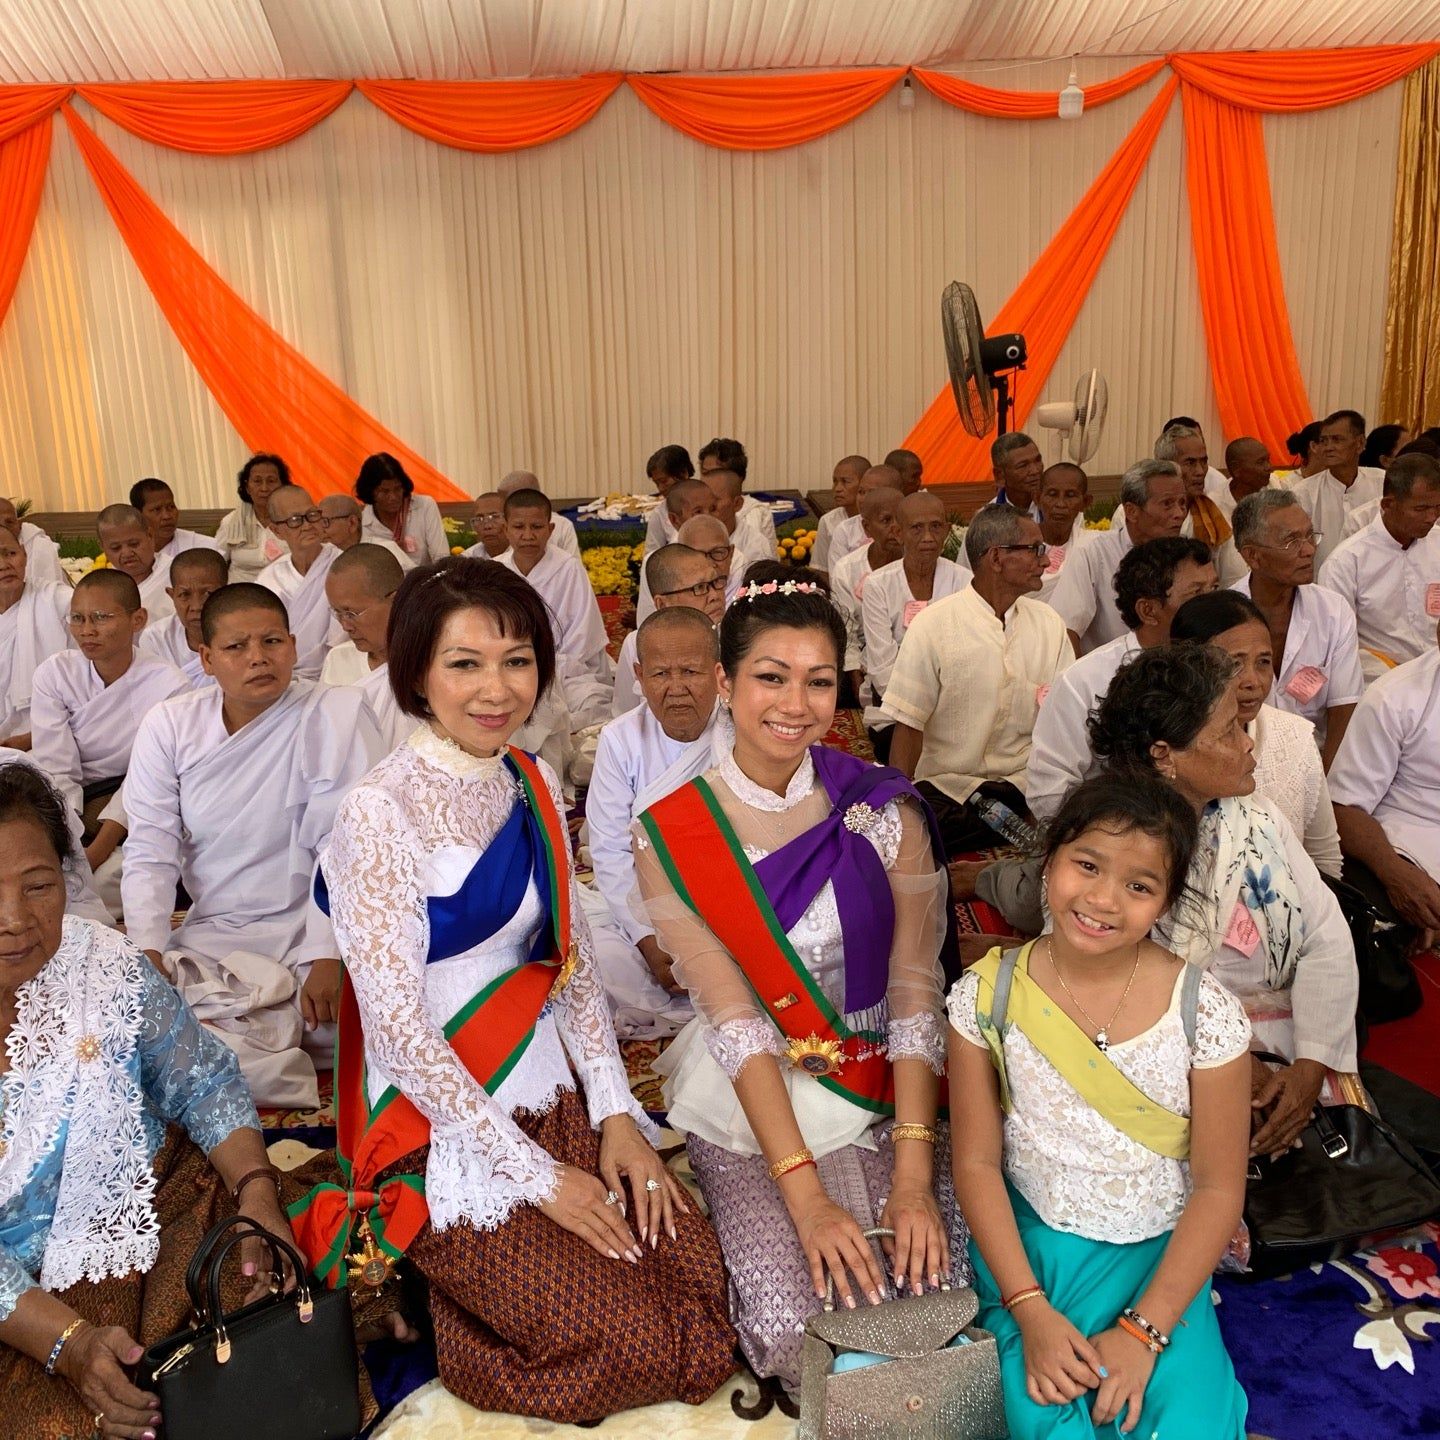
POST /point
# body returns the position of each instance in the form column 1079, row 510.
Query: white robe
column 240, row 819
column 35, row 627
column 307, row 606
column 42, row 557
column 345, row 665
column 848, row 577
column 627, row 687
column 827, row 533
column 1084, row 596
column 1329, row 504
column 158, row 605
column 183, row 540
column 584, row 668
column 887, row 606
column 84, row 728
column 1057, row 555
column 167, row 640
column 249, row 545
column 757, row 519
column 636, row 764
column 1394, row 591
column 424, row 538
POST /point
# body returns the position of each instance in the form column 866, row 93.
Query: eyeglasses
column 720, row 555
column 92, row 617
column 349, row 617
column 1290, row 546
column 1037, row 550
column 698, row 590
column 310, row 517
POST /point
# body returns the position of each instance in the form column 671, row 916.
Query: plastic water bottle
column 1006, row 823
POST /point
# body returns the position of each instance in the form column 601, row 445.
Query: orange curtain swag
column 1291, row 81
column 1029, row 104
column 23, row 159
column 1047, row 301
column 274, row 397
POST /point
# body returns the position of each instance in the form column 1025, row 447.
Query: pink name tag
column 912, row 609
column 1432, row 601
column 1054, row 558
column 272, row 549
column 1243, row 934
column 1306, row 683
column 1041, row 691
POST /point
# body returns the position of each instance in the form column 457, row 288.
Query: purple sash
column 832, row 850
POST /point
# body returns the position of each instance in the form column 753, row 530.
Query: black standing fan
column 980, row 368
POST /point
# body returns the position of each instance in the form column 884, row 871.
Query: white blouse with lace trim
column 414, row 828
column 1080, row 1173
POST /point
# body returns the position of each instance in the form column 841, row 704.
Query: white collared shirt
column 887, row 608
column 1084, row 596
column 1329, row 504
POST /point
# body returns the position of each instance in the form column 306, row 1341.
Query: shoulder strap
column 1000, row 1001
column 1190, row 1001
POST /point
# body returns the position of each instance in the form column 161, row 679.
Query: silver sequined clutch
column 925, row 1389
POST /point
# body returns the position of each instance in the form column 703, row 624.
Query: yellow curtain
column 1410, row 387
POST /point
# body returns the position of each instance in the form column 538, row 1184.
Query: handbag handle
column 878, row 1232
column 195, row 1272
column 278, row 1248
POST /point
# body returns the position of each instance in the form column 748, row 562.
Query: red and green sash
column 706, row 864
column 489, row 1034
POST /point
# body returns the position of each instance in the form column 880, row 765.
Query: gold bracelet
column 914, row 1132
column 791, row 1162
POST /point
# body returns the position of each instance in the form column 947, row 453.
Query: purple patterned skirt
column 771, row 1294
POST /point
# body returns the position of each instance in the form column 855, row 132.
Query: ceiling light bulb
column 907, row 95
column 1072, row 99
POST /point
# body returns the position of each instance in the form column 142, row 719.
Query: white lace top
column 1080, row 1173
column 414, row 828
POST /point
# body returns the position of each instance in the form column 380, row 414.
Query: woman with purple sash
column 803, row 898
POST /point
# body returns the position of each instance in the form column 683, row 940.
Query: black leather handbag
column 1352, row 1183
column 1389, row 987
column 284, row 1367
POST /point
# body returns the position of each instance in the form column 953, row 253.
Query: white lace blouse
column 1080, row 1173
column 730, row 1028
column 414, row 828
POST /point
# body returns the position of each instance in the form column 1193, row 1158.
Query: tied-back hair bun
column 779, row 596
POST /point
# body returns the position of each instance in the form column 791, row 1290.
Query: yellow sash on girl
column 1085, row 1067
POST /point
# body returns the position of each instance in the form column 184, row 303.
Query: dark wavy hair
column 1203, row 617
column 429, row 593
column 1380, row 442
column 745, row 620
column 730, row 453
column 1166, row 693
column 1124, row 802
column 1147, row 571
column 379, row 467
column 242, row 480
column 26, row 794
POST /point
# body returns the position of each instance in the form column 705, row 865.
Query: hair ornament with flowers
column 754, row 591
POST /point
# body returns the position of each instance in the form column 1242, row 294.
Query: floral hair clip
column 753, row 591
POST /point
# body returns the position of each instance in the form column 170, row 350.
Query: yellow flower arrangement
column 609, row 568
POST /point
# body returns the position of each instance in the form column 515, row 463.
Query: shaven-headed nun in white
column 299, row 577
column 233, row 790
column 129, row 546
column 195, row 575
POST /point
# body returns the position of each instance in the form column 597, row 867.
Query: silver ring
column 611, row 1198
column 652, row 1186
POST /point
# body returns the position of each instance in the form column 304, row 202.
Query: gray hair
column 1006, row 445
column 991, row 525
column 1167, row 447
column 1252, row 513
column 1135, row 482
column 1407, row 471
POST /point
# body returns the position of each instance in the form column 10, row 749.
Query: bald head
column 908, row 466
column 518, row 480
column 360, row 587
column 373, row 566
column 687, row 498
column 129, row 546
column 343, row 520
column 1248, row 461
column 880, row 499
column 703, row 532
column 672, row 567
column 853, row 466
column 200, row 564
column 340, row 507
column 118, row 515
column 880, row 477
column 922, row 505
column 111, row 587
column 232, row 599
column 675, row 621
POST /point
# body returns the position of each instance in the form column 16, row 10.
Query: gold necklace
column 1102, row 1032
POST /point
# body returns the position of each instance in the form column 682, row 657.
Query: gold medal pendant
column 566, row 972
column 815, row 1056
column 369, row 1265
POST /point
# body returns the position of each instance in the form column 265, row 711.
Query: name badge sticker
column 1306, row 683
column 914, row 607
column 1243, row 934
column 1432, row 600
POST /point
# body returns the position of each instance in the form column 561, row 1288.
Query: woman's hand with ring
column 94, row 1361
column 625, row 1154
column 579, row 1206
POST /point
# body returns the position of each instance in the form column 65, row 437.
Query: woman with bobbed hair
column 393, row 511
column 126, row 1131
column 802, row 896
column 244, row 534
column 568, row 1279
column 1262, row 921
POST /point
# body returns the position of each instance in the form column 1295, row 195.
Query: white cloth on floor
column 35, row 627
column 307, row 606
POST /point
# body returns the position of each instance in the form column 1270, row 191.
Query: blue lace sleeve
column 187, row 1074
column 15, row 1280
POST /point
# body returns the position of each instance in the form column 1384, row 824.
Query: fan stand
column 1004, row 401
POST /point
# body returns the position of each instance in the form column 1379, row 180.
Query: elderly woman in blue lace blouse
column 104, row 1073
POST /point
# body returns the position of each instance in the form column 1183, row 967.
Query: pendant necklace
column 1102, row 1032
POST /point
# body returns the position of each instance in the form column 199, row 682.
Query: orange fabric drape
column 491, row 115
column 23, row 159
column 22, row 105
column 1044, row 306
column 1029, row 104
column 1237, row 262
column 225, row 117
column 1290, row 81
column 761, row 112
column 270, row 393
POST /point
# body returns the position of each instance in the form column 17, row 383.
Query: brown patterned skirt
column 530, row 1320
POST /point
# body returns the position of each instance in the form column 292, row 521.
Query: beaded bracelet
column 1136, row 1333
column 791, row 1162
column 59, row 1345
column 1136, row 1318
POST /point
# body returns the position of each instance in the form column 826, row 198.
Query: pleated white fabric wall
column 570, row 308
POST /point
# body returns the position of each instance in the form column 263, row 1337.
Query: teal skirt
column 1193, row 1393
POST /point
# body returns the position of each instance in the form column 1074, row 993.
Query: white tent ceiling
column 100, row 40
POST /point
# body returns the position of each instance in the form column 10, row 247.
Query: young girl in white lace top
column 1099, row 1097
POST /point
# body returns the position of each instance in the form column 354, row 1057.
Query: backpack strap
column 1190, row 1001
column 1000, row 1000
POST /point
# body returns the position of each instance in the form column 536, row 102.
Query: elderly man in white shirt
column 1185, row 445
column 155, row 501
column 1062, row 499
column 1386, row 786
column 968, row 678
column 129, row 546
column 298, row 578
column 43, row 565
column 1317, row 653
column 1248, row 461
column 1017, row 465
column 839, row 530
column 677, row 576
column 1152, row 498
column 896, row 593
column 642, row 756
column 1389, row 573
column 849, row 575
column 1332, row 495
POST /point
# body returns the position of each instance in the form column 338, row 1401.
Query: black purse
column 1352, row 1183
column 1389, row 987
column 284, row 1367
